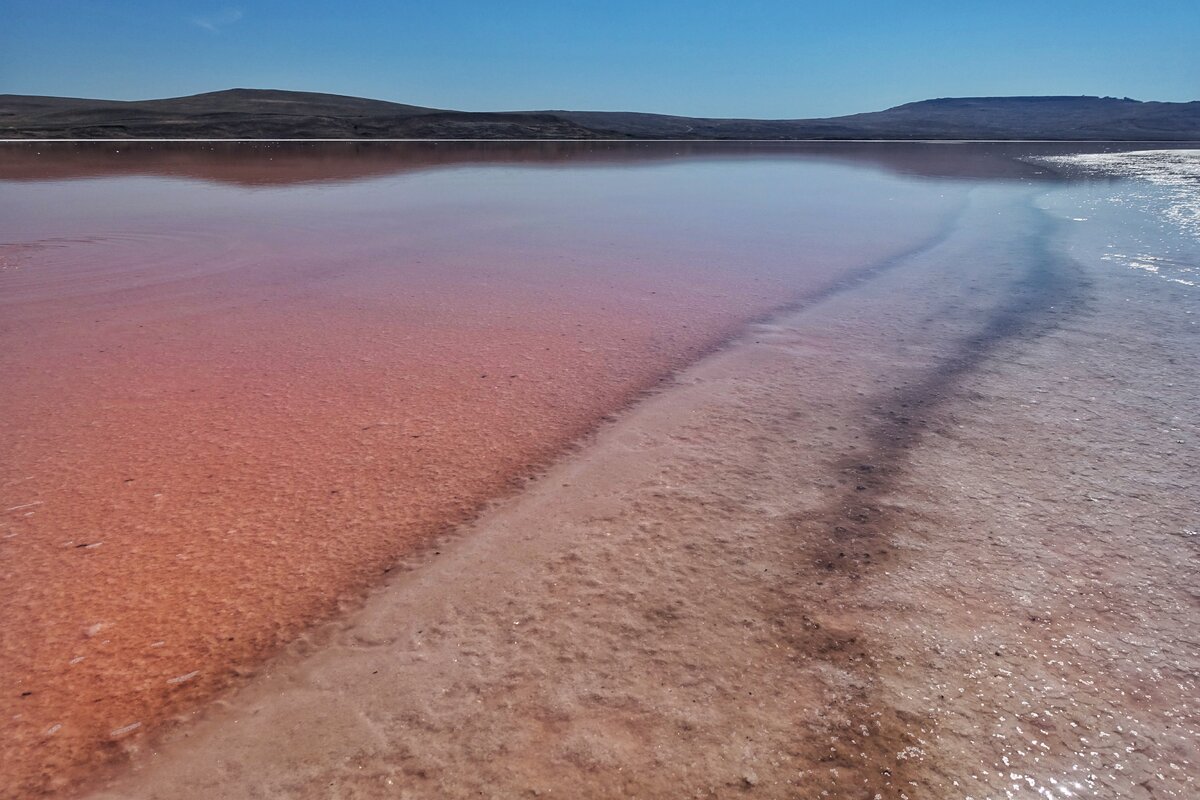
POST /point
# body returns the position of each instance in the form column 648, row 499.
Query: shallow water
column 1138, row 210
column 243, row 380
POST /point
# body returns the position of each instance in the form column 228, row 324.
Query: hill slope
column 267, row 113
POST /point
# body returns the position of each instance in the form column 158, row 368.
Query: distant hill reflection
column 287, row 163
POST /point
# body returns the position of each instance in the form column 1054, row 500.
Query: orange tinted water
column 231, row 404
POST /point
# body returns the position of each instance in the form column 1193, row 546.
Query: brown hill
column 275, row 114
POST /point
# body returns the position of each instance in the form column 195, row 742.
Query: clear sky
column 758, row 58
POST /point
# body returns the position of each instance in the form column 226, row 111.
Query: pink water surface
column 236, row 391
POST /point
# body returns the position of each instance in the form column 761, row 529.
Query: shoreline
column 753, row 554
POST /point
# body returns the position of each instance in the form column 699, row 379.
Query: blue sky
column 760, row 58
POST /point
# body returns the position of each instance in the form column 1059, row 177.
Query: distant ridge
column 278, row 114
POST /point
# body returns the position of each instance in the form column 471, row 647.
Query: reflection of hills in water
column 283, row 163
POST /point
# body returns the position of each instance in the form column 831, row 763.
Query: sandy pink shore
column 924, row 539
column 218, row 433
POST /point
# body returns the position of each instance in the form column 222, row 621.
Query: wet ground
column 890, row 543
column 899, row 543
column 237, row 390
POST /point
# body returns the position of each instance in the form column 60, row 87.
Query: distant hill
column 1035, row 118
column 271, row 114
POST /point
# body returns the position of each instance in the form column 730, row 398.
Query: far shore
column 268, row 113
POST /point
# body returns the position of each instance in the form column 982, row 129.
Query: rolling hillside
column 273, row 114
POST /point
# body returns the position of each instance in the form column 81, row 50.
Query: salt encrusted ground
column 931, row 536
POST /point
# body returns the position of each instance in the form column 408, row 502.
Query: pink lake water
column 243, row 380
